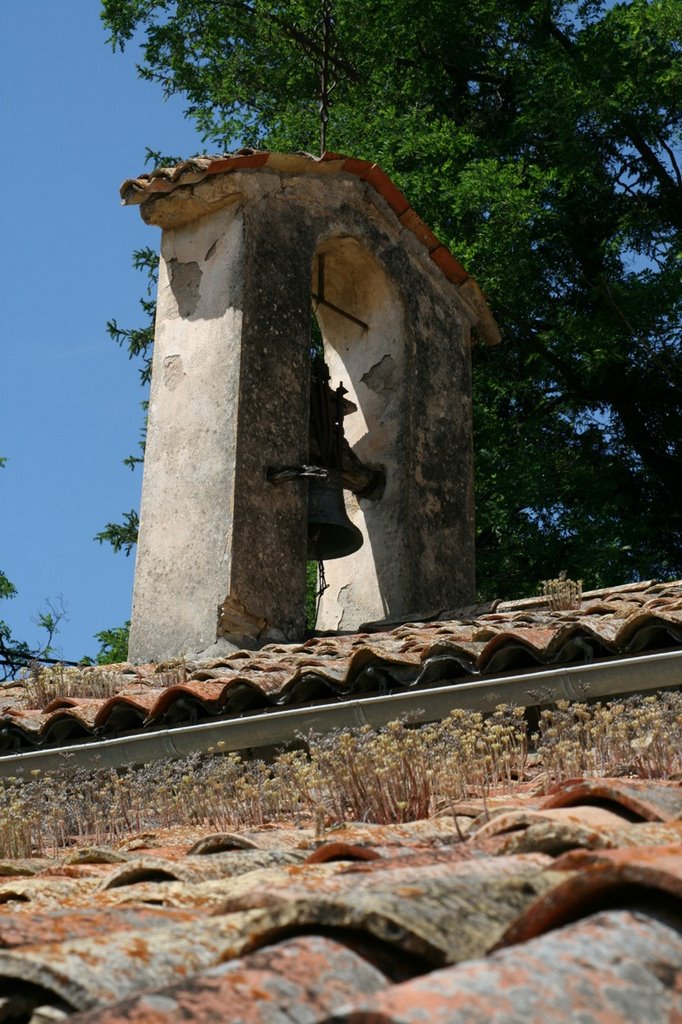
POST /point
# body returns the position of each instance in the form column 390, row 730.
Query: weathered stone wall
column 409, row 375
column 222, row 551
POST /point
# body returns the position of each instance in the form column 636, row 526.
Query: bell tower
column 252, row 245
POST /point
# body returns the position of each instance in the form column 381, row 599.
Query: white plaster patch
column 172, row 372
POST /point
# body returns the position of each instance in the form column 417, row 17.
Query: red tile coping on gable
column 163, row 180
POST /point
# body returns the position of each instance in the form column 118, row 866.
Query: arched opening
column 362, row 326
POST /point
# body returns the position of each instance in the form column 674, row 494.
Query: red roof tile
column 638, row 877
column 148, row 188
column 646, row 801
column 372, row 936
column 301, row 980
column 445, row 649
column 616, row 967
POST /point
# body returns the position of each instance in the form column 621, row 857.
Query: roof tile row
column 443, row 928
column 447, row 649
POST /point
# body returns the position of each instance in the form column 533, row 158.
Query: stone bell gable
column 252, row 244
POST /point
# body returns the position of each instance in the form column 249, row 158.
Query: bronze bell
column 330, row 532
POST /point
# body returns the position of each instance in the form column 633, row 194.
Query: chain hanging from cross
column 325, row 27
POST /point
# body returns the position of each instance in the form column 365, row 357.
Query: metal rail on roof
column 603, row 679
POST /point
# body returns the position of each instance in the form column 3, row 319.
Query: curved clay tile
column 220, row 842
column 46, row 892
column 432, row 921
column 199, row 868
column 646, row 801
column 648, row 833
column 448, row 657
column 14, row 867
column 618, row 967
column 638, row 878
column 433, row 865
column 424, row 832
column 217, row 896
column 207, row 695
column 557, row 837
column 125, row 706
column 666, row 863
column 301, row 979
column 341, row 851
column 343, row 880
column 96, row 855
column 55, row 926
column 82, row 703
column 148, row 869
column 650, row 617
column 94, row 971
column 30, row 721
column 65, row 722
column 540, row 641
column 590, row 818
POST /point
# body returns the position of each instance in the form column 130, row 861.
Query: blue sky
column 75, row 123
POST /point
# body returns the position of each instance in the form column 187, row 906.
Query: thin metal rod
column 337, row 309
column 320, row 299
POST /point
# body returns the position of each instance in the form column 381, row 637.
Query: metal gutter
column 607, row 678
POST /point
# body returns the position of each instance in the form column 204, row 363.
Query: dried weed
column 395, row 774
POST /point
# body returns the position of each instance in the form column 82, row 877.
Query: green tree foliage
column 113, row 646
column 137, row 342
column 7, row 589
column 540, row 139
column 16, row 655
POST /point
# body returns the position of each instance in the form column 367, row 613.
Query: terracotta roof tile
column 98, row 970
column 37, row 929
column 551, row 830
column 640, row 877
column 555, row 838
column 647, row 801
column 433, row 920
column 220, row 842
column 192, row 932
column 411, row 655
column 199, row 868
column 149, row 188
column 379, row 876
column 618, row 967
column 43, row 893
column 300, row 980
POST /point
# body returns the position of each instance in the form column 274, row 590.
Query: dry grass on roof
column 392, row 775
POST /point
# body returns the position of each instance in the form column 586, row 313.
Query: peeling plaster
column 235, row 619
column 172, row 372
column 340, row 599
column 185, row 282
column 382, row 376
column 233, row 317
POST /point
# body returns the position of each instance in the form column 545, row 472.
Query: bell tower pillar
column 222, row 551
